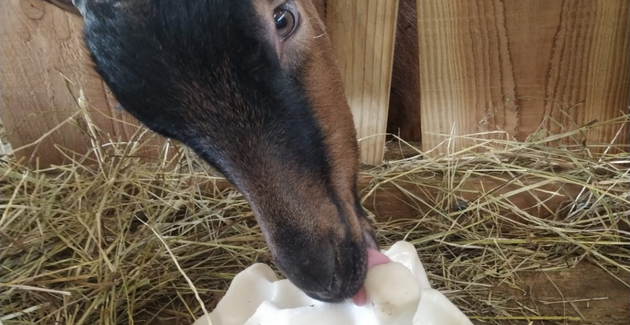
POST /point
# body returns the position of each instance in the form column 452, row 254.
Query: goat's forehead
column 166, row 58
column 182, row 38
column 214, row 18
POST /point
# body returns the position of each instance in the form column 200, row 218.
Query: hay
column 78, row 245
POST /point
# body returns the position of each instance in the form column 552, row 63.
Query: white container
column 257, row 297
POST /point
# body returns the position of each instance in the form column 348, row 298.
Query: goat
column 252, row 86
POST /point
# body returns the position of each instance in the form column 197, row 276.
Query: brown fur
column 335, row 118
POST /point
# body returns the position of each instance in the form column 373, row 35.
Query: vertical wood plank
column 589, row 74
column 39, row 43
column 467, row 80
column 516, row 65
column 362, row 33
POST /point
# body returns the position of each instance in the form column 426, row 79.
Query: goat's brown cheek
column 335, row 119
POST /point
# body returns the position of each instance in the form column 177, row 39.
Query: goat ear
column 66, row 5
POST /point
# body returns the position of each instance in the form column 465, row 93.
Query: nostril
column 333, row 281
column 369, row 239
column 351, row 264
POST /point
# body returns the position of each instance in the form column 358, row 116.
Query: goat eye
column 285, row 21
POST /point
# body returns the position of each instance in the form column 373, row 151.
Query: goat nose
column 310, row 268
column 369, row 239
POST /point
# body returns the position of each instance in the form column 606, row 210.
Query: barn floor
column 495, row 234
column 585, row 291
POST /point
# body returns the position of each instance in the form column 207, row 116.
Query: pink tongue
column 375, row 258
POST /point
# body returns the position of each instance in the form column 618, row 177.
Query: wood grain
column 516, row 65
column 596, row 294
column 40, row 44
column 362, row 33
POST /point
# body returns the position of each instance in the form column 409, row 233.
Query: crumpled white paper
column 257, row 297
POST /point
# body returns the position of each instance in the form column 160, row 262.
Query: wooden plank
column 597, row 295
column 579, row 66
column 39, row 43
column 465, row 72
column 489, row 65
column 362, row 33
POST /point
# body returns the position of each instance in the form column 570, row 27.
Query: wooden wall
column 40, row 44
column 488, row 65
column 484, row 65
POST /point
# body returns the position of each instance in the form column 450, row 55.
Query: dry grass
column 78, row 245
